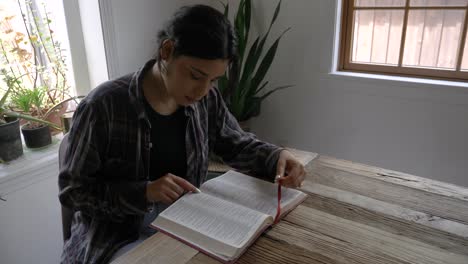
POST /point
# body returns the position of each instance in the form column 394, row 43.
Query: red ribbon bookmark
column 278, row 209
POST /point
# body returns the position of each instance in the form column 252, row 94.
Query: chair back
column 67, row 213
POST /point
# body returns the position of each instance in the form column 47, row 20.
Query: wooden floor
column 354, row 214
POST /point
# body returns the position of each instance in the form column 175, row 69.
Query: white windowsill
column 33, row 166
column 404, row 80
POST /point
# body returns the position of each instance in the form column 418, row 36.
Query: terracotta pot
column 54, row 117
column 10, row 140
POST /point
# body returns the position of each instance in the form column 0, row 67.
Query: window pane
column 19, row 51
column 13, row 35
column 438, row 2
column 432, row 38
column 464, row 65
column 377, row 36
column 379, row 3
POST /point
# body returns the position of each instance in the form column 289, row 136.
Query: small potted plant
column 10, row 138
column 31, row 102
column 27, row 105
column 31, row 106
column 243, row 86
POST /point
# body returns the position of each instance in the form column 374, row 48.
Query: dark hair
column 199, row 31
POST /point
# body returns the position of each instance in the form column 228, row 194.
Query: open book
column 231, row 211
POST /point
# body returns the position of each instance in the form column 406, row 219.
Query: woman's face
column 189, row 79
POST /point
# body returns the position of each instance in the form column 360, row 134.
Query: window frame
column 345, row 48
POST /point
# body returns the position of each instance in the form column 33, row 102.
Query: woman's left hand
column 289, row 171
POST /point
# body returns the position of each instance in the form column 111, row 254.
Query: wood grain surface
column 354, row 213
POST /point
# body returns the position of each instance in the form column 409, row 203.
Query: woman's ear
column 166, row 50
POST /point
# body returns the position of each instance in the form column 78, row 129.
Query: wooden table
column 354, row 214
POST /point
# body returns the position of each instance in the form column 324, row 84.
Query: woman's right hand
column 168, row 189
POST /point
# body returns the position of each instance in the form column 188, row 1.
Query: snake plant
column 243, row 86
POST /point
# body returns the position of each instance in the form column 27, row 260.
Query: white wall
column 93, row 41
column 415, row 128
column 86, row 41
column 31, row 225
column 134, row 26
column 77, row 47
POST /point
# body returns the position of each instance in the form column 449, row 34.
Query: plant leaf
column 233, row 79
column 246, row 87
column 262, row 43
column 248, row 14
column 239, row 23
column 223, row 85
column 31, row 118
column 261, row 87
column 4, row 98
column 226, row 9
column 266, row 62
column 253, row 103
column 59, row 104
column 223, row 4
column 278, row 7
column 250, row 62
column 274, row 90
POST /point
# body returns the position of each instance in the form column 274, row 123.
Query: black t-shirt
column 168, row 153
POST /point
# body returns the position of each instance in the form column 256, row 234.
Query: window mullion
column 348, row 30
column 403, row 35
column 422, row 38
column 372, row 36
column 462, row 42
column 440, row 37
column 388, row 36
column 354, row 41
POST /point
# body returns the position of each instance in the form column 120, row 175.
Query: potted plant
column 243, row 86
column 10, row 138
column 26, row 104
column 35, row 72
column 36, row 134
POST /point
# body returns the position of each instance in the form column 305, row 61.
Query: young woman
column 139, row 142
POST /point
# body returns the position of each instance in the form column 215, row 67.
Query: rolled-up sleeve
column 240, row 149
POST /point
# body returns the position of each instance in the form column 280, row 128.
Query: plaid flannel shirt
column 104, row 176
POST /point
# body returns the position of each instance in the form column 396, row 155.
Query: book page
column 211, row 223
column 253, row 193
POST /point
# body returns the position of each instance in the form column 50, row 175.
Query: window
column 34, row 44
column 422, row 38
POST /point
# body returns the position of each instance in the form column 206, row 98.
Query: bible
column 228, row 215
